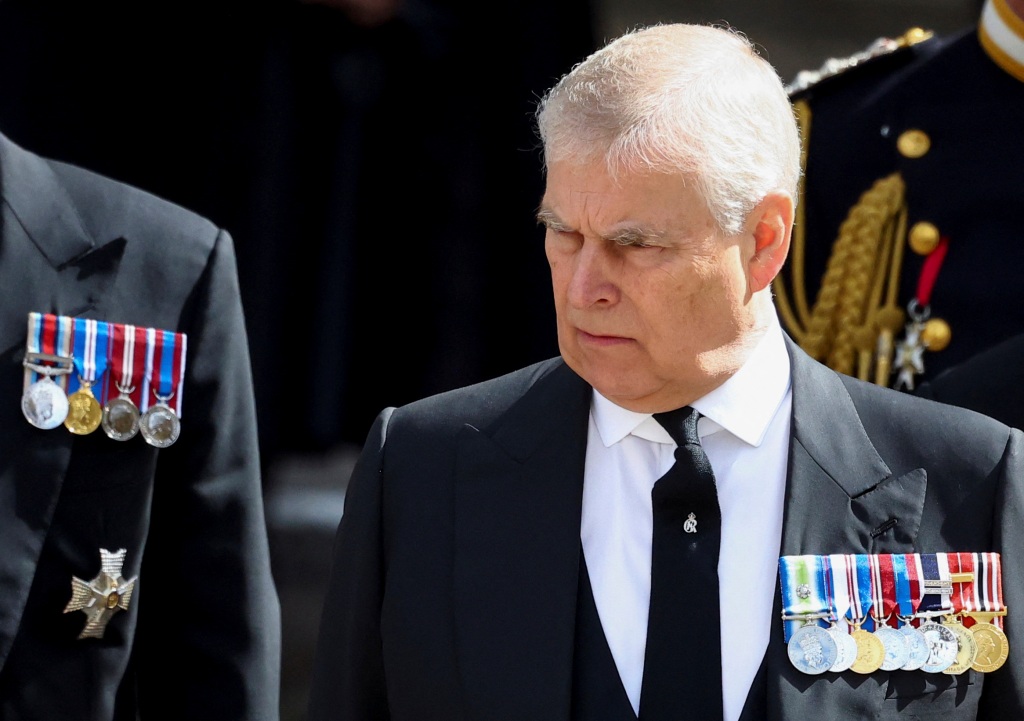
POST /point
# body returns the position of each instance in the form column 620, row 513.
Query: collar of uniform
column 744, row 405
column 1001, row 33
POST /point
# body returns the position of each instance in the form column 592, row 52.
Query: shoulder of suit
column 890, row 52
column 105, row 200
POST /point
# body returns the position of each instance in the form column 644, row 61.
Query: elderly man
column 600, row 535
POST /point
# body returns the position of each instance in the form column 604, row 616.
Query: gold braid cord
column 855, row 317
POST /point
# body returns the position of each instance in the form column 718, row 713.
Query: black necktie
column 683, row 661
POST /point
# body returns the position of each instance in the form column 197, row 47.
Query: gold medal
column 84, row 412
column 967, row 647
column 993, row 647
column 870, row 652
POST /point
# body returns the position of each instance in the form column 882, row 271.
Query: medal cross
column 103, row 596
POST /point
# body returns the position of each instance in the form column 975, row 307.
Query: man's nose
column 592, row 278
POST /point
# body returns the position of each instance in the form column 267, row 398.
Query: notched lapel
column 50, row 261
column 892, row 511
column 517, row 526
column 841, row 496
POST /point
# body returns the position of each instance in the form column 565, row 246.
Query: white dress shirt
column 745, row 433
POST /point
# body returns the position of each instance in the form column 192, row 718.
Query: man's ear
column 770, row 225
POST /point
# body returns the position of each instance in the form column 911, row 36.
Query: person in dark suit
column 135, row 577
column 905, row 262
column 598, row 536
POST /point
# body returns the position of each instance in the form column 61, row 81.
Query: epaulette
column 806, row 79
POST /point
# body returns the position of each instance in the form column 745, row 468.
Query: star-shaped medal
column 102, row 597
column 910, row 357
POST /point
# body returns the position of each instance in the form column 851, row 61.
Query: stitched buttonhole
column 891, row 523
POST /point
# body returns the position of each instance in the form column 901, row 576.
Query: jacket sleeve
column 348, row 670
column 1003, row 693
column 209, row 602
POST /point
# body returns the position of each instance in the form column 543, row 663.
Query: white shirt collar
column 744, row 405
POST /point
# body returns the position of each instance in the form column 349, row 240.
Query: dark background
column 375, row 163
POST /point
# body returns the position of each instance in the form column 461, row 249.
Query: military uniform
column 914, row 172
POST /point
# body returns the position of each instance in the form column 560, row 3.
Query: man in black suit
column 502, row 550
column 135, row 576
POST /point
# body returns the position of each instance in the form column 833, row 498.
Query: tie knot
column 681, row 424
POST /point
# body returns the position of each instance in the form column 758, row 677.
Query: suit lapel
column 49, row 262
column 841, row 496
column 517, row 538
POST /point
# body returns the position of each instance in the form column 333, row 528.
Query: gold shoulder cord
column 855, row 316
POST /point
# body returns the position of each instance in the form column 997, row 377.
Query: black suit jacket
column 201, row 637
column 453, row 592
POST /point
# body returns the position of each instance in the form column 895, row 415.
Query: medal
column 993, row 647
column 942, row 647
column 908, row 598
column 846, row 649
column 103, row 596
column 84, row 412
column 967, row 646
column 870, row 651
column 838, row 596
column 44, row 402
column 984, row 606
column 90, row 352
column 160, row 425
column 943, row 644
column 883, row 591
column 811, row 648
column 120, row 414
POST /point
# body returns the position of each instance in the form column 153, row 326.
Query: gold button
column 913, row 36
column 913, row 143
column 936, row 334
column 923, row 237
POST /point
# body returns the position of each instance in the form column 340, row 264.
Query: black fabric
column 597, row 690
column 682, row 663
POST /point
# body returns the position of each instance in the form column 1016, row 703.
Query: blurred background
column 375, row 163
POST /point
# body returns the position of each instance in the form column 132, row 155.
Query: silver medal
column 942, row 647
column 812, row 649
column 45, row 404
column 917, row 646
column 896, row 651
column 159, row 425
column 846, row 649
column 120, row 418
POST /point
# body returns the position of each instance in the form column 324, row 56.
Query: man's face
column 651, row 298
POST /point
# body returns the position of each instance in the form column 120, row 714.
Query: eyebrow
column 623, row 236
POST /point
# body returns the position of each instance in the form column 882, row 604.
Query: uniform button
column 936, row 334
column 913, row 143
column 923, row 237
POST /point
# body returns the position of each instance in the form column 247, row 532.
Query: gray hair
column 681, row 99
